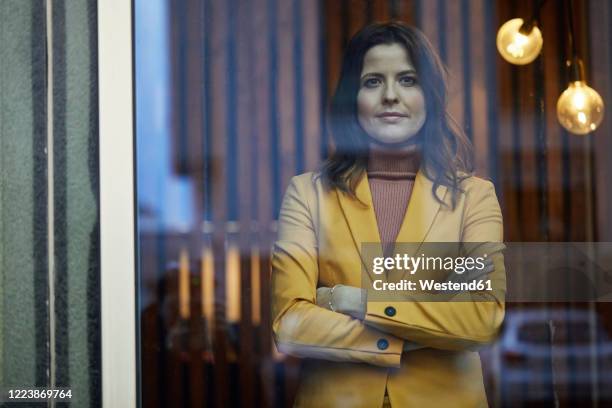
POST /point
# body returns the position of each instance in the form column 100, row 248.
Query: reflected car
column 554, row 354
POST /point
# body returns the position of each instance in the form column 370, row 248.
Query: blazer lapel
column 361, row 219
column 420, row 215
column 418, row 220
column 421, row 211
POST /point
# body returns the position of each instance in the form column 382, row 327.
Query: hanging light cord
column 574, row 63
column 570, row 25
column 534, row 20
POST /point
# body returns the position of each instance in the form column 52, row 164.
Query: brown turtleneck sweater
column 391, row 175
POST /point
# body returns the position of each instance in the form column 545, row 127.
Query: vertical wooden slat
column 356, row 11
column 441, row 21
column 465, row 16
column 220, row 342
column 286, row 93
column 323, row 78
column 208, row 315
column 207, row 102
column 152, row 325
column 197, row 334
column 193, row 94
column 198, row 155
column 541, row 149
column 525, row 143
column 218, row 85
column 552, row 27
column 380, row 10
column 429, row 21
column 314, row 88
column 290, row 117
column 265, row 337
column 407, row 11
column 163, row 321
column 264, row 66
column 394, row 9
column 479, row 107
column 565, row 154
column 274, row 146
column 251, row 217
column 451, row 50
column 205, row 209
column 333, row 14
column 492, row 98
column 563, row 134
column 173, row 340
column 231, row 118
column 248, row 208
column 260, row 106
column 298, row 83
column 578, row 150
column 218, row 115
column 246, row 352
column 180, row 134
column 507, row 118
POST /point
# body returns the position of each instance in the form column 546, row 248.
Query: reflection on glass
column 230, row 99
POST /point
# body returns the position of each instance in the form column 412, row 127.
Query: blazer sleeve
column 301, row 327
column 456, row 324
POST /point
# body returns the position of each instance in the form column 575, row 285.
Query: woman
column 400, row 173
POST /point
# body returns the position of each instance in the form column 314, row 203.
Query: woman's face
column 390, row 101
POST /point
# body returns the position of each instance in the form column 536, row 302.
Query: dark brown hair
column 446, row 153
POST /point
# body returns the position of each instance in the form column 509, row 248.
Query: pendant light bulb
column 580, row 109
column 517, row 47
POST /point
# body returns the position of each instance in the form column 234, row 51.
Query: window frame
column 117, row 196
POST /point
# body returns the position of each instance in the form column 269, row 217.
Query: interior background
column 230, row 102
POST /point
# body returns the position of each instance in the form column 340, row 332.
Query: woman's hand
column 347, row 300
column 323, row 297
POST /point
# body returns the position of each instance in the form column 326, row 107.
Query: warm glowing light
column 580, row 109
column 232, row 281
column 207, row 288
column 516, row 47
column 184, row 276
column 255, row 287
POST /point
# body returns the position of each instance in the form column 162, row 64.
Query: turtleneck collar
column 393, row 163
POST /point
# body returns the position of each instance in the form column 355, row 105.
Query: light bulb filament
column 516, row 47
column 579, row 100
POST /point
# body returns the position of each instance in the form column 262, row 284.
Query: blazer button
column 382, row 344
column 390, row 311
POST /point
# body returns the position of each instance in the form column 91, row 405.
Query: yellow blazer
column 347, row 365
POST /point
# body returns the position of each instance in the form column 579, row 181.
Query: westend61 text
column 432, row 285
